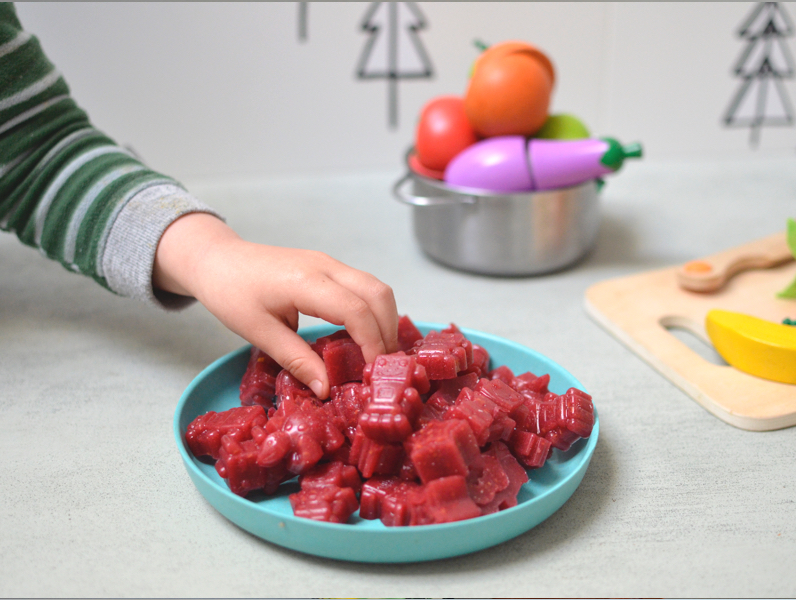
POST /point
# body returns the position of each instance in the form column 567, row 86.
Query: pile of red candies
column 428, row 434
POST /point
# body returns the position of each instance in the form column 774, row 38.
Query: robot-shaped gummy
column 397, row 381
column 560, row 419
column 303, row 436
column 328, row 493
column 444, row 354
column 237, row 463
column 204, row 434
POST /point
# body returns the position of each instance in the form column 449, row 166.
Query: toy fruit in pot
column 442, row 132
column 511, row 163
column 564, row 163
column 509, row 91
column 498, row 164
column 563, row 127
column 419, row 168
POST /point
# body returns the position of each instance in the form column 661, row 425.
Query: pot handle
column 400, row 192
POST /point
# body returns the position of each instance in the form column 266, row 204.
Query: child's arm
column 67, row 189
column 258, row 291
column 74, row 194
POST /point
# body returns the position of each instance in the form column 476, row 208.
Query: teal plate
column 271, row 517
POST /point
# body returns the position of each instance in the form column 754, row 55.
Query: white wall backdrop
column 215, row 90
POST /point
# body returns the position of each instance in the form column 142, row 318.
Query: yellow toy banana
column 755, row 346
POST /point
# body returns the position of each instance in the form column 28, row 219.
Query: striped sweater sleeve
column 68, row 189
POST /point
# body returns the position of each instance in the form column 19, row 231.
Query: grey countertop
column 96, row 501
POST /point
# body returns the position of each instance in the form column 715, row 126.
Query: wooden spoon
column 710, row 274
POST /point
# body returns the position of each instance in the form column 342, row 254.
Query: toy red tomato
column 420, row 169
column 443, row 132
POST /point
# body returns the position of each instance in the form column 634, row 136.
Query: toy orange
column 503, row 48
column 509, row 91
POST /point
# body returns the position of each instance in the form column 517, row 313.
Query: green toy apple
column 790, row 291
column 563, row 127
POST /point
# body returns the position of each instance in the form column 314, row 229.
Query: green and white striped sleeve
column 69, row 190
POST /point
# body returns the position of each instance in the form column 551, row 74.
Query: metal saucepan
column 501, row 234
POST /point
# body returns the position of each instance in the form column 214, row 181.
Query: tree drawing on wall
column 303, row 8
column 761, row 99
column 393, row 50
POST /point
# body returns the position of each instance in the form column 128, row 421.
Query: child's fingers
column 332, row 302
column 380, row 299
column 291, row 351
column 362, row 304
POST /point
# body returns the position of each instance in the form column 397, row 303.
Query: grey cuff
column 129, row 255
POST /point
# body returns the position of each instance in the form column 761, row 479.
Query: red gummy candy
column 204, row 434
column 480, row 362
column 342, row 454
column 319, row 344
column 399, row 503
column 328, row 493
column 346, row 403
column 407, row 471
column 375, row 458
column 560, row 419
column 504, row 397
column 387, row 423
column 578, row 412
column 373, row 490
column 488, row 421
column 237, row 463
column 444, row 448
column 399, row 368
column 507, row 497
column 304, row 437
column 444, row 394
column 473, row 410
column 331, row 474
column 451, row 388
column 503, row 373
column 396, row 382
column 544, row 413
column 330, row 504
column 528, row 383
column 258, row 383
column 289, row 404
column 408, row 334
column 385, row 498
column 529, row 448
column 434, row 409
column 561, row 438
column 444, row 355
column 442, row 500
column 342, row 356
column 493, row 479
column 287, row 386
column 452, row 328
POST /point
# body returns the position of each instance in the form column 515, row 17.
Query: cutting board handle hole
column 687, row 332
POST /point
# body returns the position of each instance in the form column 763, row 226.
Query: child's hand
column 258, row 291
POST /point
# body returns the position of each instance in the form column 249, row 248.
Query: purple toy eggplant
column 511, row 163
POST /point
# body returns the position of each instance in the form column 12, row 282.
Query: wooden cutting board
column 638, row 310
